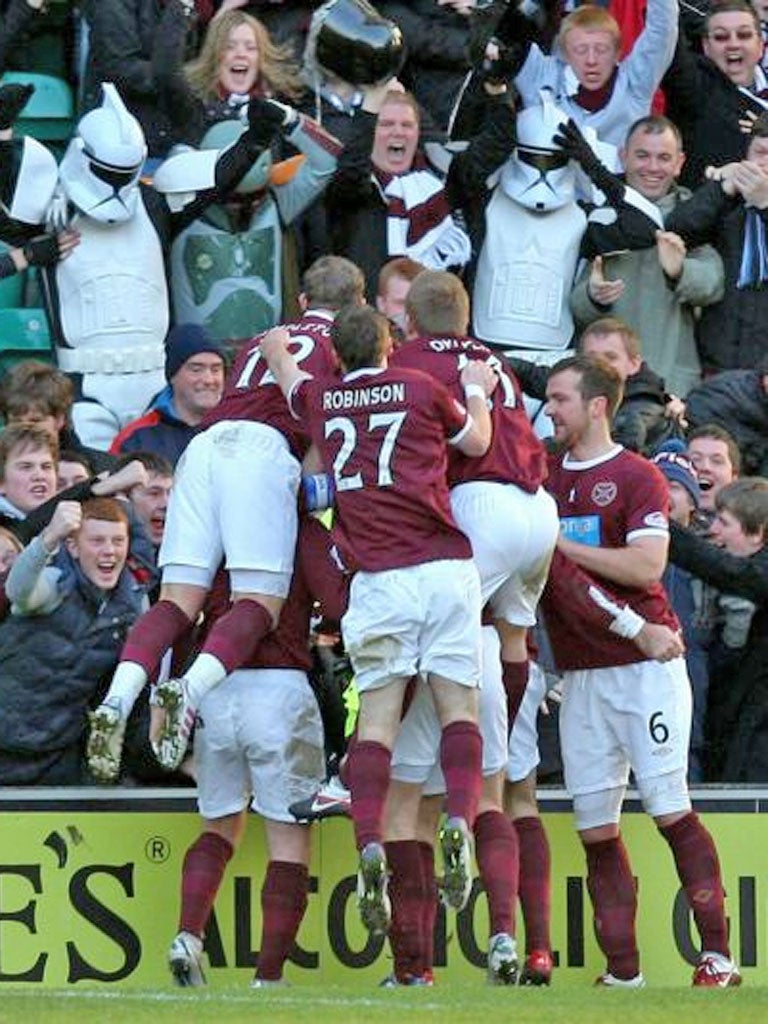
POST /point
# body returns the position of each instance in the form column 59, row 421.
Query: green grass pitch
column 446, row 1003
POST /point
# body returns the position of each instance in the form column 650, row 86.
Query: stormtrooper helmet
column 539, row 175
column 27, row 189
column 100, row 169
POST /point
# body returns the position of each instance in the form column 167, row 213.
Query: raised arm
column 654, row 48
column 31, row 586
column 282, row 365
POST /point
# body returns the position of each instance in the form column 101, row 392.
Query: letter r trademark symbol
column 157, row 850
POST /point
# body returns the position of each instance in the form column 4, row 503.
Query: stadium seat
column 24, row 334
column 49, row 115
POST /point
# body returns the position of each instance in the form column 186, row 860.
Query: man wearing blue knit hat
column 194, row 369
column 684, row 490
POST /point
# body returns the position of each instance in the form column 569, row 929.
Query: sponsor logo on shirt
column 582, row 529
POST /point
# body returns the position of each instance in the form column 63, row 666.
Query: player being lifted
column 234, row 497
column 415, row 599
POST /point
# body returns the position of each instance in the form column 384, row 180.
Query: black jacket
column 128, row 45
column 737, row 401
column 437, row 41
column 18, row 17
column 706, row 106
column 737, row 714
column 733, row 333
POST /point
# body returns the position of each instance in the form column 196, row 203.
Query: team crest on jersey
column 604, row 492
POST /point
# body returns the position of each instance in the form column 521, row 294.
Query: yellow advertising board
column 91, row 896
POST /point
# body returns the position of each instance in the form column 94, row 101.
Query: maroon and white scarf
column 419, row 219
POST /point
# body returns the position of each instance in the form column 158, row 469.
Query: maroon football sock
column 698, row 868
column 614, row 902
column 406, row 890
column 514, row 675
column 204, row 865
column 428, row 904
column 151, row 636
column 498, row 859
column 534, row 886
column 368, row 777
column 461, row 758
column 283, row 903
column 234, row 637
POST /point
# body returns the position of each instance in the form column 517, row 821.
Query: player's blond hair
column 403, row 267
column 437, row 303
column 332, row 282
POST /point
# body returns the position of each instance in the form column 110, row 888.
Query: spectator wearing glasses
column 711, row 95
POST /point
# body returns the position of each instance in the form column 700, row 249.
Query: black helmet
column 353, row 41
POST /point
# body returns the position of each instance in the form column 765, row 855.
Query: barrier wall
column 89, row 885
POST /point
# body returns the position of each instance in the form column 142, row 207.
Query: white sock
column 127, row 683
column 205, row 672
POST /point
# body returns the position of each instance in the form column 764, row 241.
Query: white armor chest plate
column 112, row 289
column 525, row 273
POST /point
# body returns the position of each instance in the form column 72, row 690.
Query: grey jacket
column 638, row 77
column 659, row 310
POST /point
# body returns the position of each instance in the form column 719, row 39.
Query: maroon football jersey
column 382, row 434
column 251, row 393
column 607, row 502
column 516, row 455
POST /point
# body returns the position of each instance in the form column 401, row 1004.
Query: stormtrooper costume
column 521, row 291
column 108, row 302
column 533, row 241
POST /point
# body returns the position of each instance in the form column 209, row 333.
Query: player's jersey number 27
column 382, row 427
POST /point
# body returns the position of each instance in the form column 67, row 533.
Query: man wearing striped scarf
column 385, row 200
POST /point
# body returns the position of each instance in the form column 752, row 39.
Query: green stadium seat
column 24, row 334
column 49, row 115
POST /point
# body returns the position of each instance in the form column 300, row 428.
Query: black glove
column 525, row 21
column 570, row 140
column 505, row 66
column 266, row 118
column 41, row 251
column 13, row 99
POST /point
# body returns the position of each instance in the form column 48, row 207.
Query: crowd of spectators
column 683, row 319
